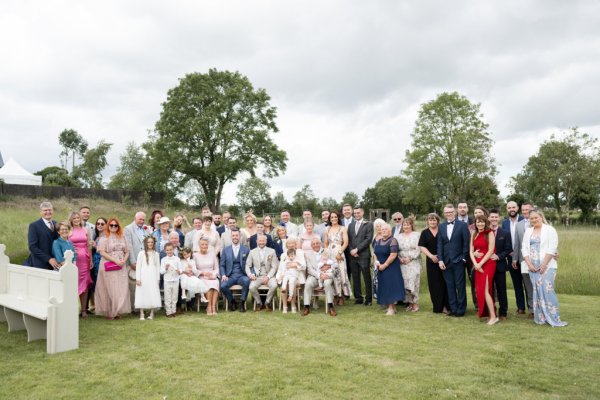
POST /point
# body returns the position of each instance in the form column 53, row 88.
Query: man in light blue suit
column 453, row 252
column 233, row 270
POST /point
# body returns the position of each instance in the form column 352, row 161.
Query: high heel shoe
column 493, row 321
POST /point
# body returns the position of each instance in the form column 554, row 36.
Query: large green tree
column 564, row 174
column 304, row 199
column 388, row 192
column 451, row 147
column 254, row 194
column 57, row 176
column 94, row 162
column 73, row 144
column 213, row 127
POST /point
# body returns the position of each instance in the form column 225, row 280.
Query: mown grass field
column 359, row 354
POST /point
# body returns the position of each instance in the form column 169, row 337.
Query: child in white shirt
column 170, row 268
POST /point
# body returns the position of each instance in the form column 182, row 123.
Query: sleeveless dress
column 411, row 272
column 390, row 284
column 489, row 269
column 80, row 241
column 214, row 240
column 341, row 283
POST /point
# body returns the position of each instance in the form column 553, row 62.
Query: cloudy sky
column 347, row 77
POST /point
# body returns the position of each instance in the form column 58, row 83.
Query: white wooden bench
column 43, row 302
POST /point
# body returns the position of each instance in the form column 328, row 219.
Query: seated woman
column 207, row 265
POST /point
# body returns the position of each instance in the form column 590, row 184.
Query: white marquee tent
column 13, row 173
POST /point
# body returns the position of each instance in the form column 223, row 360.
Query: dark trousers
column 437, row 287
column 517, row 280
column 241, row 280
column 471, row 275
column 361, row 265
column 454, row 275
column 500, row 284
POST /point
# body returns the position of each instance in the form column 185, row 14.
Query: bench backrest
column 34, row 283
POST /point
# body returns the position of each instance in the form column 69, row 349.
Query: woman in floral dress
column 336, row 240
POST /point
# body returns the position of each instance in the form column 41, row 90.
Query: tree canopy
column 72, row 143
column 563, row 174
column 451, row 149
column 213, row 127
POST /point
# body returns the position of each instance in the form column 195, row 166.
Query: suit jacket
column 252, row 242
column 503, row 249
column 522, row 225
column 456, row 249
column 226, row 239
column 226, row 266
column 278, row 245
column 134, row 242
column 39, row 241
column 291, row 228
column 253, row 263
column 506, row 227
column 221, row 230
column 361, row 240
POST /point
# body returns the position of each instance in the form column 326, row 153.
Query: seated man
column 40, row 237
column 314, row 275
column 261, row 267
column 233, row 270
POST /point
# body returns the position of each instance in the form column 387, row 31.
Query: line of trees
column 215, row 127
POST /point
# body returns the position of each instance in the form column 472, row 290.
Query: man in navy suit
column 223, row 227
column 503, row 250
column 453, row 252
column 40, row 237
column 233, row 270
column 360, row 235
column 510, row 224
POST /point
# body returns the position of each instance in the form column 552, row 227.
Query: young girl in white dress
column 190, row 283
column 147, row 276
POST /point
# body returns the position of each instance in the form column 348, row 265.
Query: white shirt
column 450, row 228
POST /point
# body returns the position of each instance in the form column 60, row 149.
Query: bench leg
column 36, row 328
column 2, row 316
column 14, row 319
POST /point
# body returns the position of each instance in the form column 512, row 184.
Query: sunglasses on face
column 100, row 223
column 114, row 225
column 397, row 219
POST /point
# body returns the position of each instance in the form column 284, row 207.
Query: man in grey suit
column 517, row 259
column 261, row 268
column 360, row 235
column 134, row 235
column 189, row 237
column 312, row 278
column 290, row 227
column 226, row 236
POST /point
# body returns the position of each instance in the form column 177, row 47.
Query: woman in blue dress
column 62, row 244
column 540, row 246
column 390, row 288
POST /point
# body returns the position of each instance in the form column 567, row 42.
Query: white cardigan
column 548, row 245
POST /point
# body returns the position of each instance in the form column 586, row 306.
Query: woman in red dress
column 483, row 244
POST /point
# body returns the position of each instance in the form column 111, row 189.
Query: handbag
column 111, row 266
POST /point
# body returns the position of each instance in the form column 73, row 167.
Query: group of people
column 124, row 268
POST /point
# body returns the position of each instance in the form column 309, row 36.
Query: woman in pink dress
column 80, row 238
column 208, row 266
column 112, row 287
column 306, row 237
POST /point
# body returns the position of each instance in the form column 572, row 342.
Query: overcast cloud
column 347, row 77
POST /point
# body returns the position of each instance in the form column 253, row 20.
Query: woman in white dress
column 190, row 283
column 147, row 276
column 410, row 262
column 207, row 232
column 336, row 240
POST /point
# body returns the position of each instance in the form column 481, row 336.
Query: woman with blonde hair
column 539, row 247
column 410, row 262
column 80, row 238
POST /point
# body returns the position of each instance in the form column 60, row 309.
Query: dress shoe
column 368, row 303
column 358, row 301
column 502, row 318
column 243, row 306
column 451, row 314
column 258, row 307
column 459, row 315
column 520, row 311
column 268, row 307
column 332, row 312
column 306, row 311
column 233, row 306
column 530, row 316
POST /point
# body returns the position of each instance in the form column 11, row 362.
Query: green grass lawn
column 359, row 354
